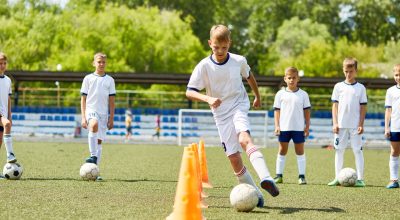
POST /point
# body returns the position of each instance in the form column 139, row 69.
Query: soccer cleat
column 360, row 183
column 335, row 182
column 100, row 179
column 92, row 159
column 260, row 203
column 2, row 177
column 269, row 185
column 302, row 181
column 278, row 179
column 11, row 158
column 393, row 184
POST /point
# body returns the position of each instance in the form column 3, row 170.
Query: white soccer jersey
column 98, row 89
column 291, row 106
column 392, row 100
column 349, row 97
column 5, row 92
column 223, row 81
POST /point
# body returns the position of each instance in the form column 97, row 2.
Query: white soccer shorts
column 341, row 140
column 102, row 123
column 229, row 130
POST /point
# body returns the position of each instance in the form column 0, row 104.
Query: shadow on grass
column 50, row 178
column 291, row 210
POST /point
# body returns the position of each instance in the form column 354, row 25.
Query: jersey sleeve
column 306, row 101
column 196, row 81
column 112, row 91
column 363, row 98
column 85, row 86
column 277, row 101
column 388, row 99
column 335, row 94
column 245, row 69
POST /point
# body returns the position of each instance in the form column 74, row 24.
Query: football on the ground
column 12, row 171
column 347, row 177
column 89, row 171
column 244, row 197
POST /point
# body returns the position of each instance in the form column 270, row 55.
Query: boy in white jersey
column 392, row 127
column 97, row 106
column 292, row 121
column 221, row 75
column 348, row 114
column 5, row 110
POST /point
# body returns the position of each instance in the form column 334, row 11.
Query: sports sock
column 280, row 163
column 8, row 143
column 339, row 155
column 301, row 164
column 394, row 167
column 359, row 158
column 244, row 177
column 258, row 162
column 99, row 151
column 92, row 139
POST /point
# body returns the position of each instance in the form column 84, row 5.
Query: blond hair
column 3, row 56
column 290, row 70
column 220, row 33
column 396, row 68
column 350, row 62
column 101, row 55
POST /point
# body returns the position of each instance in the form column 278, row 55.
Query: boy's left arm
column 307, row 116
column 253, row 85
column 9, row 110
column 110, row 123
column 363, row 112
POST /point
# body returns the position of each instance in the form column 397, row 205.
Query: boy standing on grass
column 348, row 114
column 392, row 127
column 292, row 121
column 5, row 110
column 97, row 107
column 221, row 75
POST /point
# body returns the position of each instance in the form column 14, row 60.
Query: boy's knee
column 7, row 125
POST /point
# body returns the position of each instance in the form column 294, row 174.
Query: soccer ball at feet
column 347, row 177
column 89, row 171
column 12, row 171
column 244, row 197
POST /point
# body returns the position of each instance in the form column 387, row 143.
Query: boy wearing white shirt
column 97, row 106
column 348, row 114
column 221, row 75
column 292, row 121
column 392, row 127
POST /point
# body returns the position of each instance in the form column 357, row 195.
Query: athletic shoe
column 2, row 177
column 334, row 182
column 278, row 179
column 270, row 186
column 302, row 181
column 11, row 158
column 100, row 179
column 92, row 159
column 260, row 203
column 393, row 184
column 360, row 183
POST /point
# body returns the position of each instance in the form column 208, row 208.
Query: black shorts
column 1, row 128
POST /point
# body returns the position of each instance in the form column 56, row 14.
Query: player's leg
column 356, row 145
column 283, row 139
column 394, row 160
column 8, row 140
column 298, row 139
column 340, row 143
column 93, row 126
column 1, row 142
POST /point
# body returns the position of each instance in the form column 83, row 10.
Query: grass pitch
column 140, row 183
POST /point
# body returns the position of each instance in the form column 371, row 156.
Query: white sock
column 244, row 177
column 99, row 151
column 301, row 164
column 394, row 167
column 258, row 162
column 8, row 143
column 339, row 155
column 359, row 158
column 92, row 139
column 280, row 163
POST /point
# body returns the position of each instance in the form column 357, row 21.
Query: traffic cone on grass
column 203, row 166
column 203, row 195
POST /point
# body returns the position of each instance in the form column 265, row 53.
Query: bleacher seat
column 57, row 118
column 137, row 118
column 21, row 117
column 49, row 118
column 165, row 119
column 172, row 119
column 71, row 118
column 14, row 117
column 116, row 118
column 64, row 118
column 43, row 117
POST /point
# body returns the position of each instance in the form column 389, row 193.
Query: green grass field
column 140, row 183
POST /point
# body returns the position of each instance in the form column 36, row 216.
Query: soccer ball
column 12, row 171
column 347, row 177
column 89, row 171
column 244, row 197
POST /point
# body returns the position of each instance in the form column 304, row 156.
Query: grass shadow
column 291, row 210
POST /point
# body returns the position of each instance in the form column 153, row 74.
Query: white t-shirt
column 392, row 100
column 291, row 106
column 349, row 97
column 97, row 90
column 5, row 92
column 223, row 81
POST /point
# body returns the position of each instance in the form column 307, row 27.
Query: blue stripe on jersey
column 112, row 94
column 388, row 106
column 215, row 62
column 363, row 103
column 193, row 89
column 307, row 108
column 334, row 100
column 83, row 94
column 277, row 109
column 2, row 76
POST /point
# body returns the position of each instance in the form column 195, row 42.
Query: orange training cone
column 187, row 198
column 203, row 166
column 203, row 204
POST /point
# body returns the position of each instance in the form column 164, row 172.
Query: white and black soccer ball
column 12, row 171
column 347, row 177
column 244, row 197
column 89, row 171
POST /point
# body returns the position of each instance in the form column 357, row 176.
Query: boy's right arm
column 388, row 113
column 277, row 115
column 194, row 95
column 335, row 126
column 83, row 111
